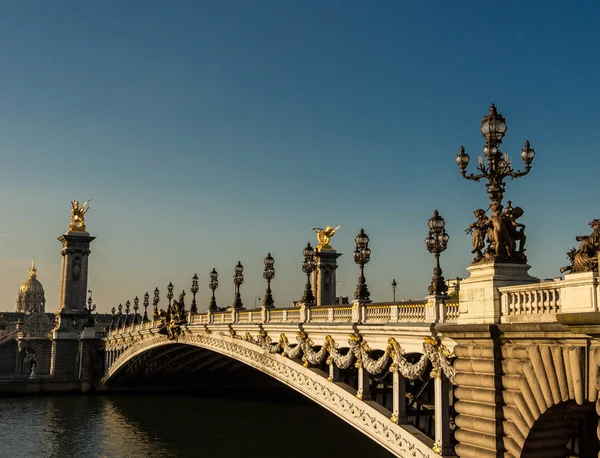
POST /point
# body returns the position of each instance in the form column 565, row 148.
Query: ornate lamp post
column 436, row 242
column 269, row 274
column 112, row 318
column 120, row 315
column 308, row 267
column 238, row 279
column 136, row 307
column 362, row 255
column 394, row 285
column 213, row 284
column 194, row 291
column 90, row 308
column 146, row 304
column 155, row 302
column 127, row 310
column 169, row 296
column 495, row 169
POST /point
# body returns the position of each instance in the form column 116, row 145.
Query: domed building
column 31, row 294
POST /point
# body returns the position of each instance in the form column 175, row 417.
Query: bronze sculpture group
column 584, row 258
column 495, row 237
column 172, row 319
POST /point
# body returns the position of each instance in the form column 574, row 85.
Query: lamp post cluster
column 501, row 227
column 436, row 242
column 89, row 309
column 194, row 290
column 238, row 279
column 269, row 274
column 213, row 285
column 308, row 267
column 362, row 255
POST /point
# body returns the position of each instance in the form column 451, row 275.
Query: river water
column 168, row 425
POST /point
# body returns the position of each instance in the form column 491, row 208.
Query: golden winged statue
column 324, row 237
column 77, row 216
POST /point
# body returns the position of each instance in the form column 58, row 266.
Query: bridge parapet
column 375, row 313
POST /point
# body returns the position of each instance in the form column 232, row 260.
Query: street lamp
column 127, row 310
column 269, row 274
column 214, row 284
column 194, row 291
column 112, row 318
column 238, row 279
column 155, row 302
column 146, row 304
column 436, row 242
column 120, row 315
column 136, row 307
column 308, row 266
column 169, row 296
column 362, row 255
column 495, row 169
column 90, row 308
column 394, row 284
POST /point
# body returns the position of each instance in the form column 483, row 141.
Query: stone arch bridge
column 411, row 376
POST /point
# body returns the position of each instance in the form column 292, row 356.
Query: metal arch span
column 366, row 416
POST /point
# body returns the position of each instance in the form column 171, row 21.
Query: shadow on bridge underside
column 184, row 367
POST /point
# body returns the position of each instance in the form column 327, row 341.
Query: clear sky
column 212, row 132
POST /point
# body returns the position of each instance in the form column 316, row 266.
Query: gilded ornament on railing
column 584, row 258
column 324, row 237
column 77, row 223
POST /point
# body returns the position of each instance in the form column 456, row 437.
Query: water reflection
column 152, row 426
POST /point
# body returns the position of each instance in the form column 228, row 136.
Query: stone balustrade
column 524, row 303
column 451, row 310
column 536, row 302
column 376, row 313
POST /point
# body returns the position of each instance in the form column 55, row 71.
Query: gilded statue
column 502, row 231
column 77, row 223
column 584, row 258
column 324, row 237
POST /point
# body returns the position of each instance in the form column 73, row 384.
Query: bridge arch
column 366, row 416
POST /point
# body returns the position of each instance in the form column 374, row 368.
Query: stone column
column 71, row 314
column 334, row 373
column 363, row 392
column 399, row 398
column 323, row 279
column 442, row 414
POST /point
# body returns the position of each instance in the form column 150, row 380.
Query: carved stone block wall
column 522, row 390
column 65, row 358
column 8, row 357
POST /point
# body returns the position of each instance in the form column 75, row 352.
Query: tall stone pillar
column 324, row 282
column 71, row 314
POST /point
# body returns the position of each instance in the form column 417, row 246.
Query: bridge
column 336, row 356
column 420, row 378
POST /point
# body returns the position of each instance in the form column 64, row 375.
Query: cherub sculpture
column 584, row 258
column 77, row 223
column 324, row 237
column 478, row 229
column 502, row 231
column 516, row 230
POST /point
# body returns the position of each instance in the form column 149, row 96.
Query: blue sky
column 212, row 132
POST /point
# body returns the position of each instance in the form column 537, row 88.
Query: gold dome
column 31, row 293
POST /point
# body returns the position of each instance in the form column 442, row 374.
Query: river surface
column 166, row 425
